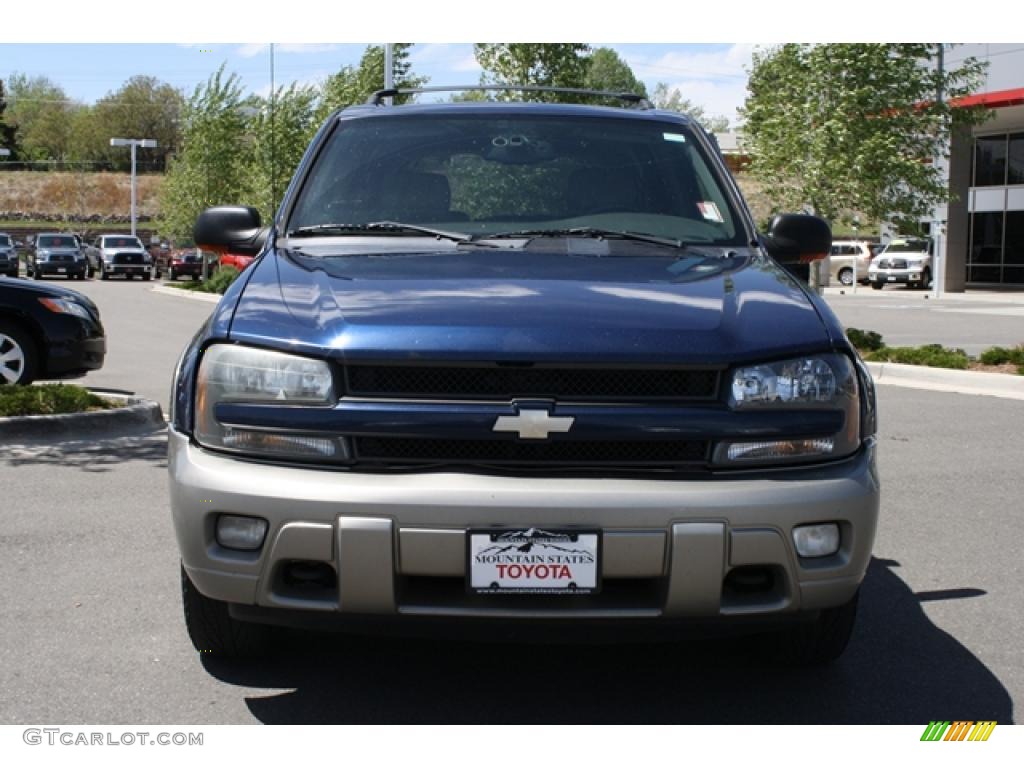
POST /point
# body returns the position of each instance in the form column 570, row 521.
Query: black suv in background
column 8, row 256
column 56, row 253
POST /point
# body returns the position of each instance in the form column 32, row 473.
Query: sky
column 710, row 75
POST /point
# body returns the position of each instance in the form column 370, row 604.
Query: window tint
column 483, row 174
column 55, row 241
column 121, row 242
column 990, row 161
column 5, row 240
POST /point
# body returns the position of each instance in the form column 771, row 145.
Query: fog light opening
column 240, row 532
column 299, row 574
column 819, row 540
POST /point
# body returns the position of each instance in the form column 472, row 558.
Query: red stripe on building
column 993, row 100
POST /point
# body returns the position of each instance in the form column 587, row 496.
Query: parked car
column 56, row 253
column 121, row 255
column 8, row 256
column 237, row 260
column 47, row 332
column 527, row 362
column 185, row 263
column 841, row 259
column 905, row 260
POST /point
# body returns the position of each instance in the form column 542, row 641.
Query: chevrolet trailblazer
column 520, row 362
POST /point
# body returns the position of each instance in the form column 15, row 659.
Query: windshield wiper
column 394, row 227
column 595, row 232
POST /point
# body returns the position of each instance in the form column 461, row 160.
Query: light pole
column 133, row 143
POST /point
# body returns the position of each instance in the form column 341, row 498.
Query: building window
column 990, row 161
column 1015, row 163
column 984, row 264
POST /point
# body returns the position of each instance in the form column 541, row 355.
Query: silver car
column 849, row 257
column 120, row 255
column 905, row 260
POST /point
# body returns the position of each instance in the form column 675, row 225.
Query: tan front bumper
column 397, row 542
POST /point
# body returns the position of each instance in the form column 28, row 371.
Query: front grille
column 127, row 258
column 505, row 383
column 893, row 264
column 62, row 258
column 402, row 450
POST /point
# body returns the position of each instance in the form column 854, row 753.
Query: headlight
column 807, row 380
column 236, row 374
column 814, row 383
column 66, row 307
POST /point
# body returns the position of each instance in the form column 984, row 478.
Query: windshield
column 122, row 242
column 907, row 246
column 489, row 174
column 56, row 241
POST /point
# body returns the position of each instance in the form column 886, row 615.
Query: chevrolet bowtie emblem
column 533, row 425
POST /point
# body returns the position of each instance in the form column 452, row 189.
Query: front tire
column 926, row 280
column 846, row 276
column 877, row 286
column 17, row 355
column 171, row 275
column 821, row 641
column 212, row 630
column 104, row 275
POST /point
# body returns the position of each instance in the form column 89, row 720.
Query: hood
column 48, row 290
column 633, row 303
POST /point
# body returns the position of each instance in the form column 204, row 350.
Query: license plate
column 534, row 560
column 893, row 277
column 61, row 270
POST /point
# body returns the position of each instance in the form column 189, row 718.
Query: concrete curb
column 948, row 380
column 181, row 293
column 136, row 413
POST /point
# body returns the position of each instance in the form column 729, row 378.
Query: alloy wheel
column 12, row 360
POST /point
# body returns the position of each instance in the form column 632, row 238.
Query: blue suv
column 524, row 363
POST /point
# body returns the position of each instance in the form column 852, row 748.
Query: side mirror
column 230, row 228
column 798, row 239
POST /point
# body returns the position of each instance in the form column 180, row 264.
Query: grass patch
column 873, row 349
column 219, row 283
column 46, row 399
column 1003, row 355
column 931, row 355
column 864, row 341
column 15, row 224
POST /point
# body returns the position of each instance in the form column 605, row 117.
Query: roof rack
column 377, row 99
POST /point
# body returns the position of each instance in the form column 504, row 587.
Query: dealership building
column 983, row 242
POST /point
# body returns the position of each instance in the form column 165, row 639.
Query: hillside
column 63, row 196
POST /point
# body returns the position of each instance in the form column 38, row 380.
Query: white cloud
column 252, row 49
column 713, row 79
column 449, row 57
column 305, row 47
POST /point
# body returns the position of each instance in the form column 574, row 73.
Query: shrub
column 933, row 355
column 220, row 281
column 867, row 341
column 1001, row 355
column 47, row 399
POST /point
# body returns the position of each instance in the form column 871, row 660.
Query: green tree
column 606, row 71
column 563, row 65
column 353, row 85
column 845, row 128
column 40, row 112
column 7, row 130
column 672, row 100
column 280, row 138
column 144, row 107
column 215, row 157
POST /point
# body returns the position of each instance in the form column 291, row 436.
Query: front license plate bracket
column 533, row 561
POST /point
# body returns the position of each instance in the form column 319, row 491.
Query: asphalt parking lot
column 92, row 628
column 907, row 317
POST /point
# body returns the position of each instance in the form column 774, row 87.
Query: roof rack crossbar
column 377, row 98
